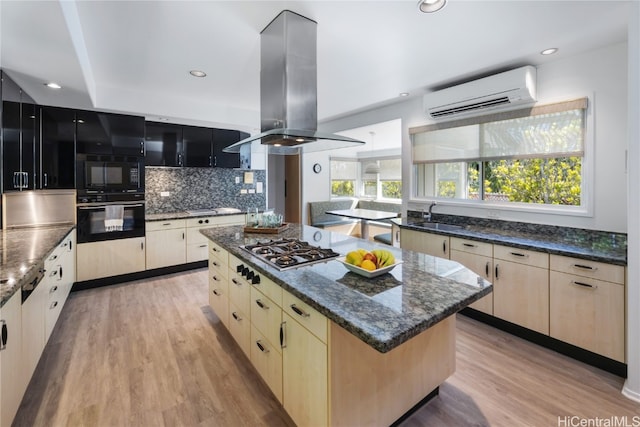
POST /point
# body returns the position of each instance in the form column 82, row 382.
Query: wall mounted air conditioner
column 508, row 90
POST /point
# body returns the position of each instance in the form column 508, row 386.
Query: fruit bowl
column 367, row 273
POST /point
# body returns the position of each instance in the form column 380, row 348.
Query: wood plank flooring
column 153, row 353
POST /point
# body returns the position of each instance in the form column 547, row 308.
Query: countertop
column 385, row 311
column 21, row 250
column 590, row 245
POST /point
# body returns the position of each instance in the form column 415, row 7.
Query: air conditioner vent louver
column 471, row 107
column 508, row 90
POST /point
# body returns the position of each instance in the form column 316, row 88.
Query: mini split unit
column 515, row 88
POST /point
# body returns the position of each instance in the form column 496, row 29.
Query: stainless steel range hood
column 288, row 90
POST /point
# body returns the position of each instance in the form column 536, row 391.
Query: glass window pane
column 390, row 169
column 369, row 188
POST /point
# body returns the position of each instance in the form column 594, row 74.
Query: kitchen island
column 337, row 348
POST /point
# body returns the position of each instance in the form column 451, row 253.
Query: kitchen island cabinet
column 12, row 386
column 355, row 351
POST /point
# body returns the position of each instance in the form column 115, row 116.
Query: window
column 531, row 156
column 349, row 177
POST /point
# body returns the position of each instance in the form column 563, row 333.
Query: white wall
column 600, row 74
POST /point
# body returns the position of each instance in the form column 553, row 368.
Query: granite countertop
column 165, row 216
column 585, row 244
column 22, row 249
column 385, row 311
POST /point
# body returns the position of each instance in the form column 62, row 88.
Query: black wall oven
column 95, row 221
column 109, row 174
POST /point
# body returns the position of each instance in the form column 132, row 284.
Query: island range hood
column 288, row 90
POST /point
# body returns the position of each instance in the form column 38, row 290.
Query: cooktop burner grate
column 285, row 254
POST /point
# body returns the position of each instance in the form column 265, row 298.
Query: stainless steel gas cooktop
column 285, row 254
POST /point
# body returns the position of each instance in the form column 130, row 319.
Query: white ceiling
column 135, row 56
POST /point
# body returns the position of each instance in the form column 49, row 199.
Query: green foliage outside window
column 343, row 188
column 392, row 189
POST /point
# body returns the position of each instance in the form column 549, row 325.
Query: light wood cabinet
column 239, row 308
column 304, row 374
column 110, row 258
column 586, row 311
column 478, row 257
column 60, row 270
column 521, row 287
column 427, row 243
column 196, row 242
column 33, row 329
column 166, row 243
column 12, row 384
column 219, row 285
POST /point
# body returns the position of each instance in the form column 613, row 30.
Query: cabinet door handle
column 584, row 285
column 236, row 282
column 183, row 236
column 141, row 246
column 283, row 335
column 519, row 254
column 215, row 160
column 53, row 305
column 585, row 267
column 235, row 316
column 70, row 245
column 216, row 293
column 497, row 265
column 46, row 181
column 15, row 181
column 26, row 180
column 60, row 272
column 486, row 269
column 5, row 335
column 261, row 347
column 470, row 245
column 444, row 246
column 141, row 147
column 261, row 305
column 298, row 311
column 210, row 161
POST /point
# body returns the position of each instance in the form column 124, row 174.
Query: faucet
column 428, row 216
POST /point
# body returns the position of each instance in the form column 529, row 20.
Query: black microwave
column 109, row 174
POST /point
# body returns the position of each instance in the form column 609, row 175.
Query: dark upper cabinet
column 107, row 133
column 223, row 138
column 57, row 149
column 11, row 158
column 163, row 144
column 198, row 149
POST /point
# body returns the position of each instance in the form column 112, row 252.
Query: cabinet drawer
column 197, row 252
column 308, row 317
column 480, row 248
column 521, row 256
column 240, row 292
column 164, row 225
column 218, row 281
column 218, row 267
column 217, row 251
column 267, row 361
column 270, row 289
column 266, row 316
column 219, row 303
column 224, row 220
column 585, row 268
column 201, row 222
column 195, row 237
column 240, row 328
column 588, row 313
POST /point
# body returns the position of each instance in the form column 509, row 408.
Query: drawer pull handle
column 261, row 347
column 298, row 311
column 235, row 316
column 584, row 285
column 202, row 246
column 53, row 258
column 167, row 223
column 283, row 337
column 214, row 249
column 236, row 282
column 519, row 254
column 55, row 288
column 261, row 305
column 470, row 245
column 215, row 292
column 215, row 263
column 585, row 267
column 54, row 305
column 214, row 277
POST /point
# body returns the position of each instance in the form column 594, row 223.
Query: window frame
column 491, row 207
column 361, row 162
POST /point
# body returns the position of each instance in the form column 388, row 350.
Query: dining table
column 365, row 216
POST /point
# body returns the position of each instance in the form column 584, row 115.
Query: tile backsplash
column 179, row 189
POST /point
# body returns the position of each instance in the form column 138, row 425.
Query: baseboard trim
column 112, row 280
column 630, row 394
column 586, row 356
column 435, row 392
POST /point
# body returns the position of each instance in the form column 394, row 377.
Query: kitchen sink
column 438, row 226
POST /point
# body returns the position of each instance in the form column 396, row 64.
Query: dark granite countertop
column 21, row 250
column 585, row 244
column 385, row 311
column 166, row 216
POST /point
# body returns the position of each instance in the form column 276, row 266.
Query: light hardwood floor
column 152, row 353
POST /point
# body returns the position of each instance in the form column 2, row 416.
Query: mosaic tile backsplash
column 200, row 188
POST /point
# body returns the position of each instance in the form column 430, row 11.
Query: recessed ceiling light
column 163, row 119
column 53, row 85
column 549, row 51
column 404, row 94
column 430, row 6
column 197, row 73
